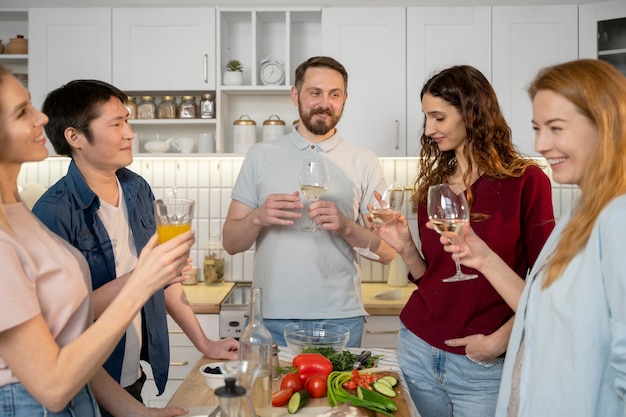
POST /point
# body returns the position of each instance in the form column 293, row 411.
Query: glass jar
column 187, row 108
column 207, row 106
column 167, row 107
column 214, row 261
column 131, row 106
column 147, row 108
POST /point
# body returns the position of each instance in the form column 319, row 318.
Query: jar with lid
column 207, row 106
column 131, row 106
column 167, row 107
column 187, row 108
column 244, row 134
column 273, row 128
column 214, row 261
column 146, row 108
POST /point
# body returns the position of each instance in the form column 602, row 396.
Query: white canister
column 244, row 134
column 273, row 128
column 206, row 142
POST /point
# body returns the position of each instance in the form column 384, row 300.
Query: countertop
column 206, row 299
column 194, row 392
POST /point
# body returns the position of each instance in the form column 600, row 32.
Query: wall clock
column 272, row 71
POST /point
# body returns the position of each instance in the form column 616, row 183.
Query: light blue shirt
column 574, row 360
column 308, row 275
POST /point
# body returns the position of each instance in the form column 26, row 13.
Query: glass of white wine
column 383, row 209
column 449, row 212
column 313, row 184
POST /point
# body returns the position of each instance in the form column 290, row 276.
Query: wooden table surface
column 194, row 392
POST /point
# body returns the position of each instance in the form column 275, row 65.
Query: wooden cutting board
column 194, row 392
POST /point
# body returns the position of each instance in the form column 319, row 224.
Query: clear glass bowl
column 309, row 334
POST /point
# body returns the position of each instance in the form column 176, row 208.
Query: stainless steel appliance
column 234, row 311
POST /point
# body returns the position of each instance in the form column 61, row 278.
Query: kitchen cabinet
column 67, row 44
column 251, row 36
column 437, row 38
column 164, row 49
column 381, row 332
column 371, row 44
column 14, row 22
column 183, row 356
column 602, row 32
column 524, row 40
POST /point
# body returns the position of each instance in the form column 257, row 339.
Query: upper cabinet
column 164, row 49
column 524, row 40
column 371, row 44
column 437, row 38
column 67, row 44
column 602, row 32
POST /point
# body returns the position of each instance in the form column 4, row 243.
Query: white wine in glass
column 384, row 209
column 448, row 212
column 313, row 184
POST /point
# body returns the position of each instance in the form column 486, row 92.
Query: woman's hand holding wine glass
column 448, row 212
column 313, row 184
column 383, row 209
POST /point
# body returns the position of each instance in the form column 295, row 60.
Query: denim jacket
column 69, row 209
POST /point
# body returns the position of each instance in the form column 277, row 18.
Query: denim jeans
column 355, row 324
column 444, row 384
column 15, row 401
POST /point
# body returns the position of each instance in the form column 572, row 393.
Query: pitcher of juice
column 173, row 216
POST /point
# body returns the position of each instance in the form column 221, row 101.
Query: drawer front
column 149, row 393
column 182, row 360
column 381, row 331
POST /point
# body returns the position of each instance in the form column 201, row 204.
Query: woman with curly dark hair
column 453, row 336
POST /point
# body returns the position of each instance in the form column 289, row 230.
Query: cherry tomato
column 281, row 397
column 292, row 381
column 316, row 386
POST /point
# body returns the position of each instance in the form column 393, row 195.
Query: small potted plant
column 234, row 73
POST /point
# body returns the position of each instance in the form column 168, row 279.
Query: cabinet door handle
column 382, row 331
column 182, row 363
column 206, row 68
column 397, row 134
column 175, row 331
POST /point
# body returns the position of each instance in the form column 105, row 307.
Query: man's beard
column 320, row 127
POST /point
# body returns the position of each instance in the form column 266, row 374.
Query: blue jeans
column 443, row 384
column 355, row 324
column 15, row 401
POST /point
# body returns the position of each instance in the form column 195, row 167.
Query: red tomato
column 281, row 397
column 292, row 381
column 316, row 386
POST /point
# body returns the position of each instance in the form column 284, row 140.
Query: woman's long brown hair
column 4, row 223
column 488, row 144
column 598, row 91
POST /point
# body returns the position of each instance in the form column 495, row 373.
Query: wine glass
column 313, row 184
column 448, row 212
column 383, row 209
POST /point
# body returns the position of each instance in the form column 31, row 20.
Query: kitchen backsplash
column 209, row 181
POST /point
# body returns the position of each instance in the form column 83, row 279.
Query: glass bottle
column 167, row 107
column 255, row 344
column 207, row 106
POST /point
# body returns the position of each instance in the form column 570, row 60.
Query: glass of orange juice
column 173, row 217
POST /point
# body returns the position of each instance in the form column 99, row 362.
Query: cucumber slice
column 297, row 401
column 383, row 402
column 384, row 381
column 393, row 381
column 384, row 389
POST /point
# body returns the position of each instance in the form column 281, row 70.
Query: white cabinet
column 524, row 40
column 371, row 44
column 250, row 36
column 67, row 44
column 13, row 23
column 381, row 332
column 164, row 49
column 183, row 357
column 437, row 38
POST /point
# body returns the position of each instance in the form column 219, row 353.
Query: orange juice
column 168, row 231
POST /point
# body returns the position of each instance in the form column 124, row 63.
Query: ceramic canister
column 18, row 45
column 244, row 134
column 273, row 128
